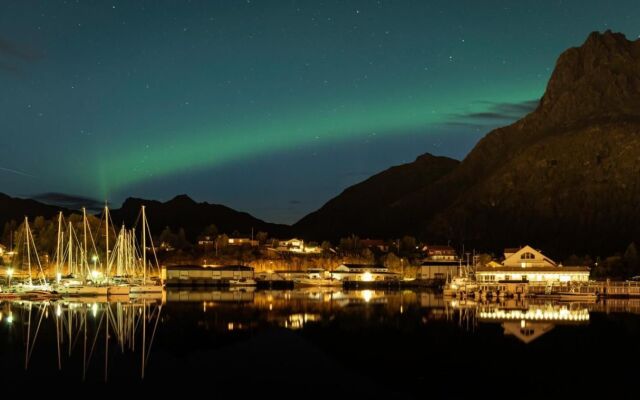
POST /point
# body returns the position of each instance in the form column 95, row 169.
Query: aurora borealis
column 270, row 107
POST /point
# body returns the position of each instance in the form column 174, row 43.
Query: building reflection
column 89, row 333
column 526, row 320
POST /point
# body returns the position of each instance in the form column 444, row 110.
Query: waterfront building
column 440, row 263
column 529, row 264
column 195, row 275
column 363, row 272
column 242, row 242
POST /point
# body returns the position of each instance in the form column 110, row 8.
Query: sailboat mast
column 26, row 235
column 144, row 245
column 85, row 260
column 59, row 248
column 106, row 231
column 71, row 271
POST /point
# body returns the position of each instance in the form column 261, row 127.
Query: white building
column 441, row 263
column 363, row 273
column 529, row 264
column 298, row 246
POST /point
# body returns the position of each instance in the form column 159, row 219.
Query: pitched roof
column 363, row 266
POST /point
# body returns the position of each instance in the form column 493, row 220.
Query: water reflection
column 86, row 334
column 85, row 327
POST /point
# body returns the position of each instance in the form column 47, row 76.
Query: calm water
column 316, row 343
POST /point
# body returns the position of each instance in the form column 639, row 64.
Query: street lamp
column 94, row 273
column 9, row 274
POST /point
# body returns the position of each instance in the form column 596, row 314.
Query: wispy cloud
column 16, row 172
column 69, row 201
column 496, row 112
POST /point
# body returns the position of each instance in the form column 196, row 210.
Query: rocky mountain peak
column 598, row 80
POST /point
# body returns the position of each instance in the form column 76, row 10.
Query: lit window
column 527, row 256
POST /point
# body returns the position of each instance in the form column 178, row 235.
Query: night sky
column 270, row 107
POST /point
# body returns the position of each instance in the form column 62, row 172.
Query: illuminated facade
column 530, row 265
column 441, row 263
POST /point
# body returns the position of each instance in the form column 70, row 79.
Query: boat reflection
column 86, row 335
column 84, row 326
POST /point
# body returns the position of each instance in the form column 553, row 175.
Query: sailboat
column 27, row 246
column 76, row 282
column 146, row 285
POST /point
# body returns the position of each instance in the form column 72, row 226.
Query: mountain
column 565, row 178
column 362, row 209
column 183, row 212
column 13, row 208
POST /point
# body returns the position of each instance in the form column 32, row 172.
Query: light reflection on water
column 83, row 336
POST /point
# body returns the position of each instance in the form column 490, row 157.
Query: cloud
column 12, row 56
column 496, row 112
column 12, row 50
column 69, row 201
column 16, row 172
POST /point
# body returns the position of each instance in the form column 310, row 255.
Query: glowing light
column 58, row 311
column 522, row 324
column 9, row 272
column 10, row 318
column 366, row 295
column 94, row 309
column 367, row 277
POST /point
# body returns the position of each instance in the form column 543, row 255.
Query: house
column 440, row 253
column 441, row 262
column 529, row 264
column 166, row 246
column 206, row 240
column 242, row 242
column 363, row 273
column 298, row 246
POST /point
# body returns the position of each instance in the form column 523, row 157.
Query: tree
column 367, row 255
column 261, row 237
column 221, row 242
column 408, row 244
column 350, row 243
column 181, row 240
column 326, row 246
column 210, row 230
column 167, row 236
column 631, row 261
column 484, row 259
column 393, row 262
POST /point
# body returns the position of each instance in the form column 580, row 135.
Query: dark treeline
column 212, row 246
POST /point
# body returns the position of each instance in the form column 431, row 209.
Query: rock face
column 565, row 178
column 183, row 212
column 363, row 209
